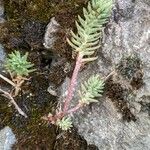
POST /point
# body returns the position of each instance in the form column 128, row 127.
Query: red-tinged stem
column 60, row 115
column 72, row 110
column 69, row 96
column 73, row 83
column 54, row 118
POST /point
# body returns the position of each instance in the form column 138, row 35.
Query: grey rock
column 2, row 57
column 52, row 90
column 1, row 12
column 7, row 139
column 51, row 30
column 1, row 8
column 102, row 124
column 2, row 52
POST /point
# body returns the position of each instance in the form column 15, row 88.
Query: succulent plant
column 85, row 42
column 89, row 28
column 91, row 89
column 18, row 65
column 65, row 123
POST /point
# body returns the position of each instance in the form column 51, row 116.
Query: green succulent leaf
column 65, row 123
column 91, row 89
column 89, row 28
column 18, row 65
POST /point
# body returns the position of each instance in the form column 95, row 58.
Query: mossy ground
column 27, row 19
column 36, row 102
column 118, row 96
column 42, row 10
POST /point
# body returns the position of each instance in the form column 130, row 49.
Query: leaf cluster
column 89, row 28
column 18, row 65
column 65, row 123
column 91, row 89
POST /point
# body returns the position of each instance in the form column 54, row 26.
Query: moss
column 10, row 33
column 145, row 105
column 72, row 141
column 22, row 35
column 41, row 10
column 32, row 132
column 130, row 68
column 119, row 96
column 27, row 19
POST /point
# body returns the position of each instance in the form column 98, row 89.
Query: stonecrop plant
column 84, row 43
column 19, row 68
column 18, row 65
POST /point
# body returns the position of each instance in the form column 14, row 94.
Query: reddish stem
column 69, row 96
column 74, row 109
column 60, row 115
column 73, row 83
column 57, row 116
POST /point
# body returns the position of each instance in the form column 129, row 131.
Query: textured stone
column 128, row 32
column 2, row 56
column 1, row 12
column 50, row 37
column 7, row 139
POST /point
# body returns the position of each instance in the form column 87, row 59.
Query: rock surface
column 128, row 32
column 49, row 37
column 7, row 139
column 2, row 56
column 2, row 52
column 1, row 12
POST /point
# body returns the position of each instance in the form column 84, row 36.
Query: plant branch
column 61, row 114
column 73, row 83
column 84, row 43
column 7, row 80
column 7, row 95
column 74, row 109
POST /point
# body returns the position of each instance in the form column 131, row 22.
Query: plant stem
column 74, row 109
column 7, row 80
column 61, row 114
column 54, row 118
column 73, row 83
column 6, row 94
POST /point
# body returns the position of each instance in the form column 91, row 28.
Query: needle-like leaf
column 89, row 28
